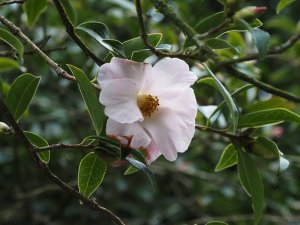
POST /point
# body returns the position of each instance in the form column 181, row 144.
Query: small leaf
column 90, row 98
column 144, row 168
column 216, row 43
column 227, row 159
column 69, row 9
column 21, row 93
column 210, row 22
column 251, row 180
column 40, row 142
column 137, row 44
column 268, row 149
column 261, row 40
column 100, row 33
column 12, row 41
column 267, row 117
column 216, row 223
column 8, row 64
column 228, row 99
column 131, row 170
column 90, row 174
column 282, row 4
column 33, row 9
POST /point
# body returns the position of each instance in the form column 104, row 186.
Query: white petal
column 170, row 75
column 152, row 152
column 133, row 133
column 119, row 98
column 172, row 127
column 123, row 68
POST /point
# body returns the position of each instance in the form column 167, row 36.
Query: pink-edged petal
column 131, row 134
column 170, row 75
column 122, row 68
column 170, row 133
column 119, row 98
column 185, row 107
column 152, row 152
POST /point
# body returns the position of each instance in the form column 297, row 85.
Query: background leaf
column 251, row 180
column 90, row 174
column 267, row 117
column 8, row 64
column 90, row 98
column 40, row 142
column 12, row 41
column 21, row 93
column 33, row 9
column 282, row 4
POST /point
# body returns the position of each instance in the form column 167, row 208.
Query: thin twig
column 61, row 146
column 277, row 50
column 220, row 132
column 91, row 203
column 17, row 31
column 12, row 2
column 71, row 31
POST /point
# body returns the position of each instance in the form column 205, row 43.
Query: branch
column 17, row 31
column 263, row 86
column 91, row 203
column 277, row 50
column 220, row 132
column 61, row 146
column 12, row 2
column 71, row 31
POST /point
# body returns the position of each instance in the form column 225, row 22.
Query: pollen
column 148, row 104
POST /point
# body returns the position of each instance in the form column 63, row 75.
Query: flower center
column 148, row 104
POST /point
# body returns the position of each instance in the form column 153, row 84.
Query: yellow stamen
column 148, row 104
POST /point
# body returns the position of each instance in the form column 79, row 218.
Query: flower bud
column 249, row 12
column 4, row 129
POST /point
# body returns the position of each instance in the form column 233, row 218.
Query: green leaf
column 216, row 223
column 90, row 174
column 272, row 103
column 100, row 33
column 89, row 96
column 216, row 43
column 8, row 64
column 261, row 40
column 228, row 99
column 137, row 44
column 251, row 180
column 33, row 9
column 282, row 4
column 227, row 159
column 11, row 40
column 69, row 9
column 210, row 22
column 144, row 168
column 21, row 93
column 267, row 117
column 131, row 170
column 268, row 149
column 40, row 142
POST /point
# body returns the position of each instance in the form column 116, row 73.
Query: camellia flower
column 150, row 108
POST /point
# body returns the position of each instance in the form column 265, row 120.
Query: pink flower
column 150, row 108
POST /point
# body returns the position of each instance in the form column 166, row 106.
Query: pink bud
column 259, row 10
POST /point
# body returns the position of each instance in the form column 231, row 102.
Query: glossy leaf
column 33, row 9
column 12, row 41
column 251, row 180
column 268, row 149
column 215, row 43
column 90, row 98
column 282, row 4
column 131, row 170
column 100, row 33
column 272, row 103
column 21, row 93
column 144, row 168
column 40, row 142
column 227, row 159
column 267, row 117
column 71, row 13
column 90, row 174
column 8, row 64
column 261, row 40
column 228, row 99
column 137, row 44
